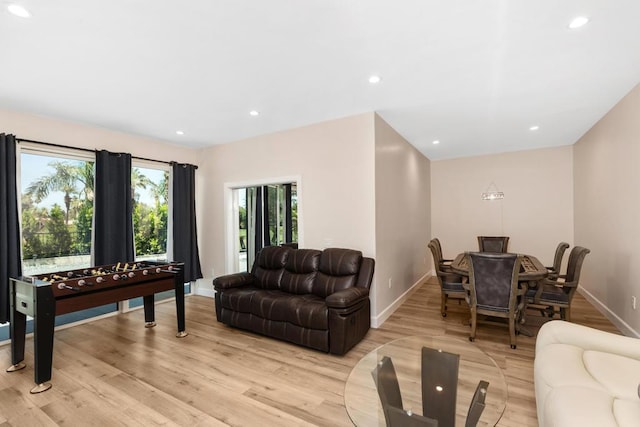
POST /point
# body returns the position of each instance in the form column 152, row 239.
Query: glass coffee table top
column 361, row 397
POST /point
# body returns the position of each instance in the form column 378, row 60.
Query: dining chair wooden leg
column 443, row 304
column 512, row 332
column 472, row 335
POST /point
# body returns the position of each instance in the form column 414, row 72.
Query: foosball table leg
column 17, row 330
column 40, row 388
column 149, row 311
column 179, row 288
column 43, row 321
column 16, row 367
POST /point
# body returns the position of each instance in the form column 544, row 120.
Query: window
column 57, row 212
column 150, row 189
column 56, row 218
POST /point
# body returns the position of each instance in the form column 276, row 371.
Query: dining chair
column 497, row 244
column 386, row 380
column 554, row 270
column 450, row 283
column 553, row 295
column 446, row 263
column 493, row 289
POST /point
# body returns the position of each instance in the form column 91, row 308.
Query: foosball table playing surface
column 48, row 295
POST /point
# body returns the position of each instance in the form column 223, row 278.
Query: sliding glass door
column 267, row 216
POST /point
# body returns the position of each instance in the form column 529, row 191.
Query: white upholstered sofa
column 586, row 377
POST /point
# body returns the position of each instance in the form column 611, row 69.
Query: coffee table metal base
column 361, row 396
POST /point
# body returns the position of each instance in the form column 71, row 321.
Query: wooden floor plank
column 113, row 371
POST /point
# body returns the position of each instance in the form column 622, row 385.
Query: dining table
column 531, row 272
column 531, row 269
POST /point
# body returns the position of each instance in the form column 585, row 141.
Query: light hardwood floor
column 113, row 371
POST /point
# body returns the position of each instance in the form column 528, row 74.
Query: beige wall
column 403, row 224
column 607, row 210
column 536, row 212
column 62, row 132
column 335, row 161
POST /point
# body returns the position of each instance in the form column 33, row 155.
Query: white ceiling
column 475, row 75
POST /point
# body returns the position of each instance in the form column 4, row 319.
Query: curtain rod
column 88, row 150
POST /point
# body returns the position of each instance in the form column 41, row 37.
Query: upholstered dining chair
column 493, row 289
column 554, row 270
column 386, row 380
column 553, row 295
column 446, row 263
column 498, row 244
column 450, row 283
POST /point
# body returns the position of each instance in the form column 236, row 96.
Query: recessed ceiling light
column 534, row 128
column 436, row 142
column 254, row 113
column 18, row 10
column 578, row 22
column 374, row 79
column 179, row 132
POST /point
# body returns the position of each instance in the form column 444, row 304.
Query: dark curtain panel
column 266, row 236
column 288, row 228
column 10, row 262
column 113, row 206
column 185, row 242
column 258, row 221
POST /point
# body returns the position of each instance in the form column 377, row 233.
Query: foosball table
column 48, row 295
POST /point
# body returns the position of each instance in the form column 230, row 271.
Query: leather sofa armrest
column 562, row 332
column 233, row 280
column 347, row 297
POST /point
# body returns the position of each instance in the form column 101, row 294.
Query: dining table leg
column 531, row 284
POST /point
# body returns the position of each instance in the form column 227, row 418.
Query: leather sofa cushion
column 566, row 364
column 340, row 262
column 585, row 377
column 307, row 311
column 269, row 266
column 300, row 271
column 576, row 406
column 337, row 271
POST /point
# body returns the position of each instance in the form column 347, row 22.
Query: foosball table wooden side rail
column 43, row 301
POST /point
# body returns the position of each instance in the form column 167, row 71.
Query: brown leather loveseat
column 318, row 299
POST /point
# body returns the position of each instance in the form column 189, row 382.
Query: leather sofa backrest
column 269, row 266
column 300, row 271
column 338, row 270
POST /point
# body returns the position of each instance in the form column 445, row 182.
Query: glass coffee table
column 361, row 395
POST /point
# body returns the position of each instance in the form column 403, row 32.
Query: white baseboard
column 203, row 287
column 623, row 326
column 377, row 321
